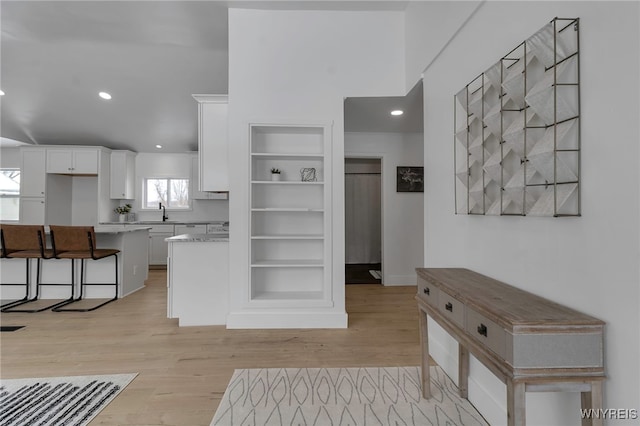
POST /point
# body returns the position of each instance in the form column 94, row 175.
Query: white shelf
column 288, row 237
column 289, row 295
column 287, row 209
column 285, row 182
column 288, row 156
column 304, row 263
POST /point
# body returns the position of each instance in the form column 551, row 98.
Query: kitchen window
column 172, row 193
column 9, row 194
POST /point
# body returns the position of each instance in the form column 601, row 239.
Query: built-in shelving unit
column 290, row 224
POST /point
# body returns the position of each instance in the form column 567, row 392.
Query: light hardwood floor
column 183, row 371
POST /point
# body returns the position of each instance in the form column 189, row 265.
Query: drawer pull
column 426, row 291
column 449, row 307
column 482, row 330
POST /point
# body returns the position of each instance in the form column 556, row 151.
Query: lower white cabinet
column 32, row 210
column 190, row 229
column 158, row 248
column 198, row 282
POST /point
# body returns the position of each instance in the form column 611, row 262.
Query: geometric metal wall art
column 517, row 130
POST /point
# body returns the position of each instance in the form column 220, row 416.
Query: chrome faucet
column 164, row 212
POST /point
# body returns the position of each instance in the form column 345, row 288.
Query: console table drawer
column 452, row 308
column 487, row 332
column 428, row 292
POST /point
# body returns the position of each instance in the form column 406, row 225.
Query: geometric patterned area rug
column 342, row 396
column 73, row 400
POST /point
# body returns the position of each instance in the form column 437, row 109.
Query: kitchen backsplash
column 205, row 210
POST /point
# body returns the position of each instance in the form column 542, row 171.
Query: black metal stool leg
column 39, row 283
column 83, row 284
column 27, row 286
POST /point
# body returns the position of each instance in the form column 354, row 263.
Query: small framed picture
column 410, row 179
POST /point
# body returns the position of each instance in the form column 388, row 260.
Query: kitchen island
column 198, row 279
column 133, row 268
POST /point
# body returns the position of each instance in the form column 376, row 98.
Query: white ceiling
column 150, row 55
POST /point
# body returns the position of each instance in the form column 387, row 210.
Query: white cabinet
column 212, row 142
column 123, row 174
column 290, row 227
column 158, row 248
column 190, row 229
column 72, row 161
column 196, row 193
column 198, row 282
column 33, row 175
column 32, row 210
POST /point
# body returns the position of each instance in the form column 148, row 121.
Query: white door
column 33, row 173
column 85, row 162
column 363, row 222
column 32, row 210
column 59, row 161
column 158, row 248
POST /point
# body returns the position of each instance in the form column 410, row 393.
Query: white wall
column 590, row 263
column 429, row 27
column 402, row 215
column 299, row 65
column 10, row 158
column 176, row 166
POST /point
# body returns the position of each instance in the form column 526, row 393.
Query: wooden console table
column 530, row 343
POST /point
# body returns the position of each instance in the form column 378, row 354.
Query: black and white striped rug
column 70, row 401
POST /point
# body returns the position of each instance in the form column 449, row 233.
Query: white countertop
column 103, row 230
column 168, row 222
column 100, row 230
column 198, row 238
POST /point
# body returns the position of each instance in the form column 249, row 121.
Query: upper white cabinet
column 212, row 142
column 72, row 161
column 123, row 174
column 65, row 185
column 196, row 193
column 33, row 172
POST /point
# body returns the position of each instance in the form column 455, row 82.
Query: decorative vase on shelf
column 122, row 217
column 275, row 176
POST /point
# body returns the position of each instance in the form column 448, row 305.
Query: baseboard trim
column 265, row 320
column 400, row 280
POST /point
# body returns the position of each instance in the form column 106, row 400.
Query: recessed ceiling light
column 159, row 146
column 397, row 112
column 1, row 92
column 104, row 95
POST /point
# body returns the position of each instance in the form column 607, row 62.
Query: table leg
column 424, row 345
column 463, row 371
column 592, row 400
column 516, row 403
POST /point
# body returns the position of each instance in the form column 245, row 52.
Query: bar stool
column 25, row 242
column 79, row 242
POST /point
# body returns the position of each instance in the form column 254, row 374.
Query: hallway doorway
column 363, row 221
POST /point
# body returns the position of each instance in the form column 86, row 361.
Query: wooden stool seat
column 31, row 254
column 80, row 254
